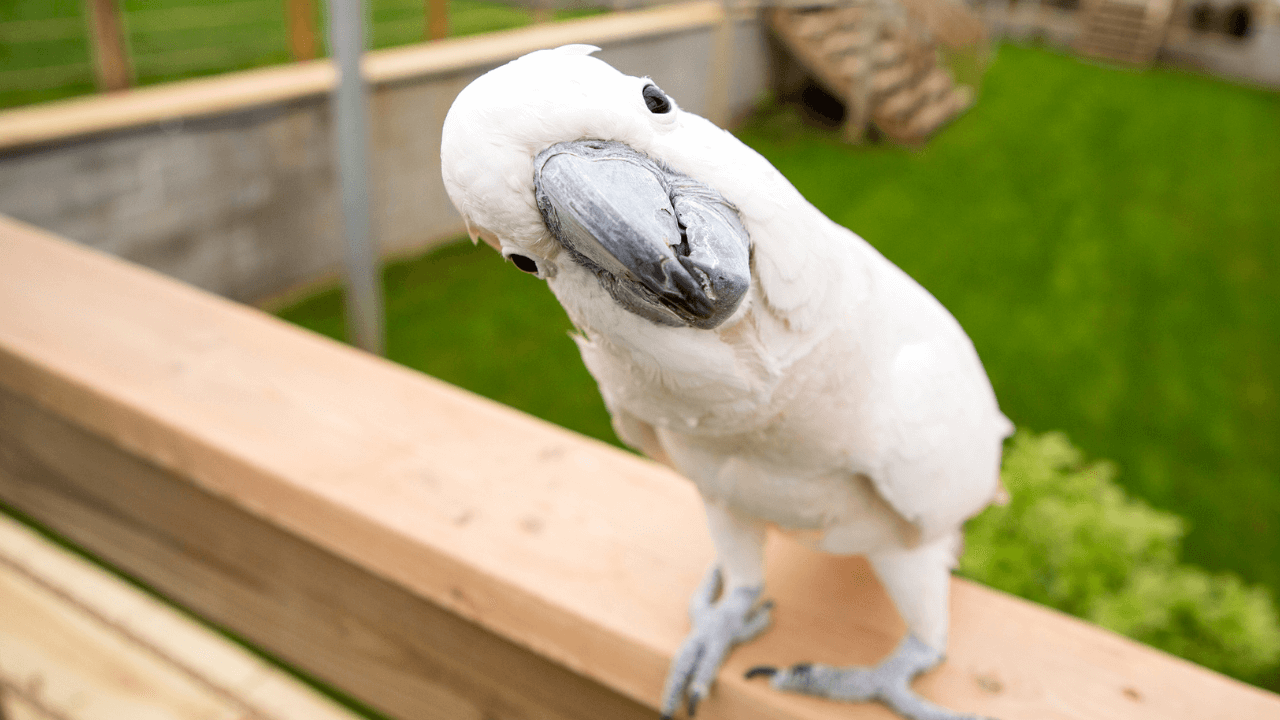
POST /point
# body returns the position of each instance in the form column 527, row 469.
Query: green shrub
column 1071, row 539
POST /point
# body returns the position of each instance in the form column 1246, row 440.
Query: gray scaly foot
column 889, row 682
column 718, row 625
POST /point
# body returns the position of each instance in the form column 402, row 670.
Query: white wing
column 941, row 431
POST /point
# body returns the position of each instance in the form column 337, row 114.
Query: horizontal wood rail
column 77, row 643
column 66, row 119
column 437, row 555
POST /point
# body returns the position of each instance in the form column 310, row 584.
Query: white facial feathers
column 502, row 120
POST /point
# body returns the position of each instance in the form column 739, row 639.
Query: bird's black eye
column 525, row 263
column 656, row 100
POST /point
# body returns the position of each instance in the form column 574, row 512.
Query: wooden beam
column 65, row 119
column 437, row 19
column 81, row 644
column 110, row 55
column 336, row 620
column 435, row 554
column 720, row 77
column 13, row 707
column 301, row 15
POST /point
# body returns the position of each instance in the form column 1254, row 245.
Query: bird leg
column 718, row 625
column 888, row 682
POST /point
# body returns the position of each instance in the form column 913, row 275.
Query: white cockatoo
column 798, row 378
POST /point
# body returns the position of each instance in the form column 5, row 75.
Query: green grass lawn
column 45, row 50
column 1108, row 238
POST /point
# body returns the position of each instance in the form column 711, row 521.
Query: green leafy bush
column 1071, row 539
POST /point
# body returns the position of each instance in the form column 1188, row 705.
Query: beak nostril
column 682, row 248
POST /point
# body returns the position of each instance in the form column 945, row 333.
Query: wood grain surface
column 78, row 643
column 436, row 554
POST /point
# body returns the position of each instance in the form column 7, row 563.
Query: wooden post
column 720, row 76
column 302, row 28
column 857, row 109
column 437, row 19
column 110, row 58
column 543, row 12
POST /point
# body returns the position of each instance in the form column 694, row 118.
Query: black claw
column 665, row 717
column 693, row 704
column 762, row 671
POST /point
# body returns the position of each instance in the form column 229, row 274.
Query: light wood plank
column 76, row 668
column 399, row 654
column 85, row 644
column 400, row 537
column 14, row 707
column 65, row 119
column 720, row 76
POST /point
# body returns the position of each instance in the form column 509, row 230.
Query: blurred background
column 1092, row 187
column 49, row 45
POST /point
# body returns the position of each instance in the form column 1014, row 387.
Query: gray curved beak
column 665, row 246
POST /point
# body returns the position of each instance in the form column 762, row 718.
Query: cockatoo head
column 561, row 163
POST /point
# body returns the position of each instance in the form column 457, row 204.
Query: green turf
column 45, row 50
column 1107, row 237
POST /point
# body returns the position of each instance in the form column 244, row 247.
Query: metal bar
column 351, row 140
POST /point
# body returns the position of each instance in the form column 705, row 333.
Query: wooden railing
column 437, row 555
column 113, row 67
column 78, row 643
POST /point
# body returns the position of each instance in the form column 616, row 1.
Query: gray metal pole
column 351, row 144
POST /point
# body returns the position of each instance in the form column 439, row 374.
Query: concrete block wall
column 241, row 204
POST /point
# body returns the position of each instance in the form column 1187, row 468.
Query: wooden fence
column 105, row 45
column 159, row 174
column 111, row 56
